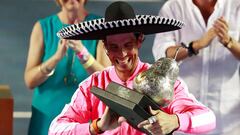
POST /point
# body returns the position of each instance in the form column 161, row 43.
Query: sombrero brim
column 99, row 29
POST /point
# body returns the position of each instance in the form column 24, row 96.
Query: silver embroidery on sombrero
column 100, row 24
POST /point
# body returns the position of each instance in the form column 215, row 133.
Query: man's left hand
column 221, row 28
column 165, row 123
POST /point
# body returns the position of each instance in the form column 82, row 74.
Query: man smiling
column 122, row 51
column 123, row 33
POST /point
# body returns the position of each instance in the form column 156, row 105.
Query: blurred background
column 17, row 18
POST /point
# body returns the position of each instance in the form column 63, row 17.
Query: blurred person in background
column 55, row 67
column 210, row 58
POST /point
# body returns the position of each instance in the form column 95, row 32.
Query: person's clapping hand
column 61, row 50
column 205, row 40
column 221, row 27
column 76, row 45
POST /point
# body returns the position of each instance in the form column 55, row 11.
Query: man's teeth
column 123, row 61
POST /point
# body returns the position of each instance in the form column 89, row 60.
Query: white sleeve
column 161, row 42
column 164, row 40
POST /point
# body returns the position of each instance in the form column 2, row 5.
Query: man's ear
column 105, row 46
column 140, row 40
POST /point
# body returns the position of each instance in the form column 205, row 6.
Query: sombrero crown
column 119, row 18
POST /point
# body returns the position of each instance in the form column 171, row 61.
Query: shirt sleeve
column 74, row 118
column 164, row 40
column 193, row 116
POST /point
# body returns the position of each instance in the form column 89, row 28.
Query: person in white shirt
column 209, row 54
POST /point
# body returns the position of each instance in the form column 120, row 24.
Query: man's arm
column 193, row 116
column 196, row 46
column 183, row 114
column 74, row 118
column 222, row 29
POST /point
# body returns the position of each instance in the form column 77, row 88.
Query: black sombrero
column 119, row 18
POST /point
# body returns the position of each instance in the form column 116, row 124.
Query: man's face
column 122, row 50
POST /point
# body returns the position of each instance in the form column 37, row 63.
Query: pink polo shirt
column 84, row 107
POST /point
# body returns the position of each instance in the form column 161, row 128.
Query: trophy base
column 128, row 103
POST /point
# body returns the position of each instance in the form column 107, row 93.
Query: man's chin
column 124, row 69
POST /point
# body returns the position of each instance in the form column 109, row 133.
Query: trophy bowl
column 158, row 81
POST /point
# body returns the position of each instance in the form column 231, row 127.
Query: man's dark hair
column 136, row 34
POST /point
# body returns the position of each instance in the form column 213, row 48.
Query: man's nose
column 123, row 52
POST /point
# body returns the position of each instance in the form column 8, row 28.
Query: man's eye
column 129, row 46
column 113, row 48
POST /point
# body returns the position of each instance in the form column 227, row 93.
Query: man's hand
column 165, row 123
column 221, row 27
column 206, row 38
column 110, row 120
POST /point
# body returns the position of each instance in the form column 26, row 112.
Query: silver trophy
column 158, row 81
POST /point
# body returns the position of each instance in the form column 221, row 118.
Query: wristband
column 95, row 127
column 89, row 62
column 189, row 49
column 230, row 43
column 83, row 54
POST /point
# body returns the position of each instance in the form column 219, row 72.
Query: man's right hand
column 110, row 120
column 205, row 40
